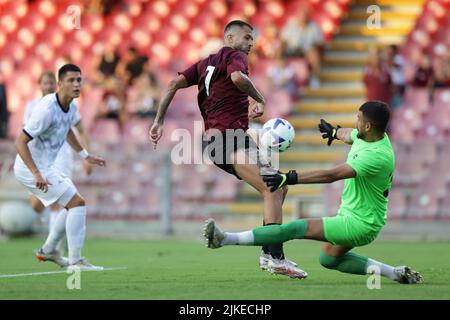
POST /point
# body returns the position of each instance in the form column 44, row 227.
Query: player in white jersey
column 64, row 159
column 37, row 146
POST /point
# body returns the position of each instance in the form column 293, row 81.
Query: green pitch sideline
column 368, row 174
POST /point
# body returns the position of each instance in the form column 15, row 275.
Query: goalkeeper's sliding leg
column 341, row 235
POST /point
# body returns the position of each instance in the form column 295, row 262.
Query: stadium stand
column 172, row 34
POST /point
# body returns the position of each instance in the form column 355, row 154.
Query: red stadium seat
column 409, row 173
column 278, row 104
column 417, row 98
column 397, row 204
column 47, row 8
column 136, row 130
column 424, row 205
column 105, row 130
column 445, row 208
column 224, row 189
column 424, row 150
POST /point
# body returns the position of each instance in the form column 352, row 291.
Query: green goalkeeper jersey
column 365, row 197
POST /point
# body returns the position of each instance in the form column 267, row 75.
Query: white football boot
column 405, row 275
column 213, row 234
column 83, row 265
column 265, row 257
column 54, row 256
column 285, row 267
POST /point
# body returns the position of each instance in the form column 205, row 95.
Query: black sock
column 275, row 250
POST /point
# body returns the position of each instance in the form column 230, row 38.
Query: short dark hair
column 236, row 23
column 66, row 68
column 46, row 74
column 377, row 113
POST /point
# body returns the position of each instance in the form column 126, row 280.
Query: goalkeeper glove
column 329, row 132
column 278, row 180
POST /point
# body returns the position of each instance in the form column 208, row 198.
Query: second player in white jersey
column 64, row 159
column 49, row 126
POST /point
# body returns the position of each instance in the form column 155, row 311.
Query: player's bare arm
column 344, row 134
column 24, row 152
column 86, row 143
column 340, row 172
column 156, row 130
column 75, row 144
column 243, row 82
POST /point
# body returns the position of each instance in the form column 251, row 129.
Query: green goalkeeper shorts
column 348, row 231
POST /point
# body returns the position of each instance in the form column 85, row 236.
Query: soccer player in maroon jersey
column 223, row 91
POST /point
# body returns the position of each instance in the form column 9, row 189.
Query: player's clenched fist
column 41, row 183
column 255, row 110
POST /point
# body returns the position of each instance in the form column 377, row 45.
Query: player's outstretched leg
column 338, row 258
column 216, row 238
column 273, row 203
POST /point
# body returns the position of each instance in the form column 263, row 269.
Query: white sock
column 52, row 215
column 76, row 231
column 385, row 270
column 56, row 232
column 245, row 238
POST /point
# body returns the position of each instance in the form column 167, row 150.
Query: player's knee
column 76, row 201
column 327, row 261
column 37, row 207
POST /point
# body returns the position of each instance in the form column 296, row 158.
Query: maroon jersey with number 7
column 222, row 105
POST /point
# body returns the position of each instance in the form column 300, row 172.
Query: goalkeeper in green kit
column 368, row 174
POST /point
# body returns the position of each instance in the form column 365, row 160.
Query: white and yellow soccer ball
column 276, row 135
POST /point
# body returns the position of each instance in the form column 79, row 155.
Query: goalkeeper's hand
column 278, row 180
column 329, row 132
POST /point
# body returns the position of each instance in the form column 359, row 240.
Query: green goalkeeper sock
column 348, row 263
column 274, row 234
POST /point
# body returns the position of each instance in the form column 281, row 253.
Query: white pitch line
column 51, row 272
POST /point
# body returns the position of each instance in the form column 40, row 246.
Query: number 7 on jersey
column 209, row 70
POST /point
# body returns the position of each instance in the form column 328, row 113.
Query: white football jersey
column 47, row 124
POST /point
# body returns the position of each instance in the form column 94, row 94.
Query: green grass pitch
column 172, row 269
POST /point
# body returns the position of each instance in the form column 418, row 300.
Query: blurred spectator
column 113, row 105
column 302, row 37
column 4, row 115
column 442, row 72
column 269, row 43
column 131, row 66
column 424, row 75
column 147, row 95
column 395, row 63
column 282, row 76
column 103, row 7
column 377, row 78
column 107, row 64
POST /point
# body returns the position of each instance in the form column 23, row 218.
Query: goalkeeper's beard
column 361, row 135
